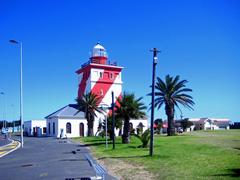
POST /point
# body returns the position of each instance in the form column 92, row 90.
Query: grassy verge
column 197, row 155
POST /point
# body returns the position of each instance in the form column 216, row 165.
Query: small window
column 54, row 128
column 111, row 75
column 68, row 128
column 49, row 128
column 101, row 75
column 44, row 130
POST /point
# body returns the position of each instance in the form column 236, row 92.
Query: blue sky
column 199, row 40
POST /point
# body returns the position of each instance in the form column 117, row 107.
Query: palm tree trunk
column 126, row 132
column 90, row 125
column 170, row 115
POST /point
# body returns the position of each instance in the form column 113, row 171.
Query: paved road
column 3, row 140
column 46, row 158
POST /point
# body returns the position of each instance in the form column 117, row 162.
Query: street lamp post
column 4, row 110
column 155, row 51
column 105, row 107
column 21, row 88
column 113, row 119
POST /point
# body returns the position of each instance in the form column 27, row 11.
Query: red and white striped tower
column 100, row 76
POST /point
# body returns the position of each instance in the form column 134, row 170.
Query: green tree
column 128, row 107
column 171, row 93
column 144, row 138
column 88, row 103
column 185, row 123
column 159, row 124
column 118, row 125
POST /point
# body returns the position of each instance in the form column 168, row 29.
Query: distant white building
column 209, row 124
column 35, row 128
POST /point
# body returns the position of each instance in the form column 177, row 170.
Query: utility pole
column 155, row 51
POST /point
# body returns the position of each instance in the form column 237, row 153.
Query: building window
column 49, row 128
column 54, row 128
column 111, row 75
column 44, row 130
column 101, row 75
column 68, row 128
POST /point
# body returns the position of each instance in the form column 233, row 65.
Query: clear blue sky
column 199, row 40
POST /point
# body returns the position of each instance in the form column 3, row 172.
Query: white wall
column 135, row 123
column 61, row 124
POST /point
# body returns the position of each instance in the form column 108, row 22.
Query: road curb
column 11, row 149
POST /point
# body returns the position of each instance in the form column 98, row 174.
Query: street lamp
column 155, row 51
column 21, row 88
column 4, row 109
column 105, row 107
column 113, row 119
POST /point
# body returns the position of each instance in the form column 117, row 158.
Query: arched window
column 131, row 126
column 68, row 128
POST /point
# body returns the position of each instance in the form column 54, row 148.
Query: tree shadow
column 123, row 157
column 129, row 157
column 91, row 144
column 232, row 173
column 71, row 160
column 97, row 143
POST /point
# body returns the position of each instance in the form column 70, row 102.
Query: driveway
column 46, row 158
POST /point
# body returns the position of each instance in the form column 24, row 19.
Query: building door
column 35, row 131
column 81, row 129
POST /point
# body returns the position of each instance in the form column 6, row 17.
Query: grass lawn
column 195, row 155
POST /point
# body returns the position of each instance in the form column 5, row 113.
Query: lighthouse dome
column 99, row 51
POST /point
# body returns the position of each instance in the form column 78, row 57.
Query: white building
column 67, row 122
column 35, row 128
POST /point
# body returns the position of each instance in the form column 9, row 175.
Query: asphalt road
column 3, row 140
column 46, row 158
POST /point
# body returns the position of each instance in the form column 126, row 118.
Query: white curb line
column 12, row 149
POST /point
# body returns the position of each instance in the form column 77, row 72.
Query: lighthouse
column 100, row 76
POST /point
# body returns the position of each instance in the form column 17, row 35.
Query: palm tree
column 144, row 138
column 129, row 107
column 171, row 93
column 118, row 125
column 88, row 103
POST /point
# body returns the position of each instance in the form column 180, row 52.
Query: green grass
column 196, row 155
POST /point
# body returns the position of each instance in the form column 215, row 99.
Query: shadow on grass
column 129, row 157
column 232, row 173
column 97, row 140
column 123, row 157
column 96, row 144
column 237, row 148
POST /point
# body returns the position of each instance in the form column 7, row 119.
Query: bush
column 144, row 138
